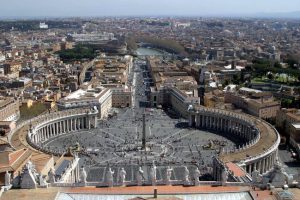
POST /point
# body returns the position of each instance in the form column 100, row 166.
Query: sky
column 65, row 8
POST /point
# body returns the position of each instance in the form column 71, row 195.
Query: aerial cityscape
column 150, row 100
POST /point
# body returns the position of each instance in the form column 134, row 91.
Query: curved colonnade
column 59, row 123
column 258, row 152
column 262, row 140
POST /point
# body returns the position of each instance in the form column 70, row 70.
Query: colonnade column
column 96, row 124
column 258, row 166
column 88, row 122
column 66, row 125
column 61, row 127
column 250, row 168
column 71, row 125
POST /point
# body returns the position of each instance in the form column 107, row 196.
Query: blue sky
column 52, row 8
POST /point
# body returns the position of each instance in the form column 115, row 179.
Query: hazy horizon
column 98, row 8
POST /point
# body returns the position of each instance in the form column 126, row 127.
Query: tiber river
column 148, row 52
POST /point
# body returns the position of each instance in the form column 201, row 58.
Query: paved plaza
column 290, row 164
column 117, row 142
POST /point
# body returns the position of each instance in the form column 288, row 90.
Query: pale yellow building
column 254, row 102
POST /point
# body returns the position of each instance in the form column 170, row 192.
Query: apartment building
column 254, row 102
column 100, row 97
column 172, row 86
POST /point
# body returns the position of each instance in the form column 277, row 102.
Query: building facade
column 9, row 109
column 99, row 97
column 254, row 102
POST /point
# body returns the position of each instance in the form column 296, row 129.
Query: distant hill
column 291, row 15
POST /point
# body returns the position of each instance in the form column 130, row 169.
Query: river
column 148, row 52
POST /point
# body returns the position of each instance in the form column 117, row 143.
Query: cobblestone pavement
column 117, row 142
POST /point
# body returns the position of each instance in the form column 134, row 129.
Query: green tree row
column 171, row 46
column 131, row 43
column 77, row 53
column 261, row 67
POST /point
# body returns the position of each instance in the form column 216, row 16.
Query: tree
column 226, row 82
column 270, row 75
column 236, row 79
column 78, row 53
column 286, row 103
column 171, row 46
column 277, row 65
column 131, row 43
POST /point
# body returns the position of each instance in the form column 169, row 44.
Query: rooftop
column 15, row 159
column 88, row 93
column 249, row 90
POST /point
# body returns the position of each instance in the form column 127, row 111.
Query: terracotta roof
column 40, row 161
column 16, row 159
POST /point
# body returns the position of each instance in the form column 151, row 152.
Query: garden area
column 35, row 110
column 276, row 78
column 264, row 71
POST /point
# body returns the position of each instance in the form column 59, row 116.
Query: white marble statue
column 95, row 108
column 51, row 175
column 42, row 181
column 140, row 176
column 110, row 177
column 186, row 175
column 168, row 175
column 277, row 176
column 255, row 176
column 224, row 176
column 83, row 175
column 122, row 175
column 191, row 107
column 196, row 176
column 29, row 177
column 7, row 178
column 31, row 167
column 153, row 174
